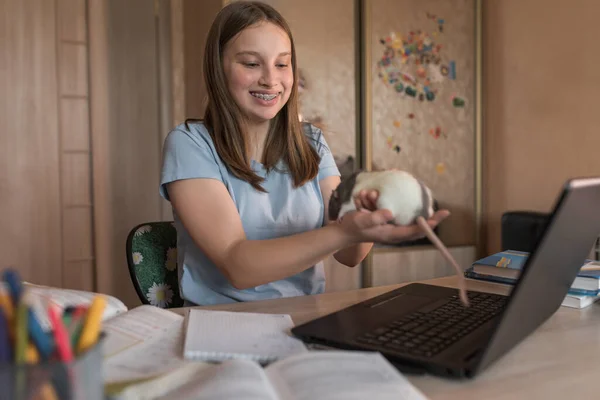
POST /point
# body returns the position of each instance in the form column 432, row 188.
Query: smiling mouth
column 264, row 96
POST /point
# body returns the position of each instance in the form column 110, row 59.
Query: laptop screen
column 551, row 268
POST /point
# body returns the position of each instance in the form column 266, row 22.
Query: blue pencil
column 40, row 338
column 15, row 287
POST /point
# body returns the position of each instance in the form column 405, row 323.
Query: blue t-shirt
column 282, row 211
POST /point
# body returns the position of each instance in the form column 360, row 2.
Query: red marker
column 61, row 337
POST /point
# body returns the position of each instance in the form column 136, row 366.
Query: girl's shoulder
column 190, row 137
column 193, row 128
column 315, row 137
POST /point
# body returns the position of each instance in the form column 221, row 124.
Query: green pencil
column 21, row 336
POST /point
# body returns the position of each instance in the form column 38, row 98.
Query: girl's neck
column 257, row 134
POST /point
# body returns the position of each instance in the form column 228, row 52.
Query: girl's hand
column 366, row 200
column 375, row 227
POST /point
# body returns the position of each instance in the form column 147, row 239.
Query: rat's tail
column 442, row 248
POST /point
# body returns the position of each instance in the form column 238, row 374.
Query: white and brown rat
column 409, row 200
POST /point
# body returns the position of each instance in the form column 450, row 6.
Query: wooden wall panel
column 129, row 160
column 75, row 152
column 74, row 124
column 540, row 103
column 72, row 69
column 340, row 277
column 166, row 95
column 75, row 179
column 79, row 274
column 197, row 18
column 397, row 266
column 77, row 243
column 177, row 34
column 72, row 20
column 30, row 238
column 99, row 123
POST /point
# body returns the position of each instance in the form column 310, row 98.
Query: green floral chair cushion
column 152, row 261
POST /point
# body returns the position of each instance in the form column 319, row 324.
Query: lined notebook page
column 220, row 335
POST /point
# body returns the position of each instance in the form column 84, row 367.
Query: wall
column 197, row 18
column 45, row 199
column 540, row 80
column 129, row 116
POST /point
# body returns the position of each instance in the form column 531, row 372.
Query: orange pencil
column 32, row 356
column 9, row 310
column 91, row 324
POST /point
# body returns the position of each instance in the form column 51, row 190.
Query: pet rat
column 409, row 200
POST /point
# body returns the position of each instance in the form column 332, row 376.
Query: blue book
column 506, row 264
column 505, row 267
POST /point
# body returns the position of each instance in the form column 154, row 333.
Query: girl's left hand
column 366, row 200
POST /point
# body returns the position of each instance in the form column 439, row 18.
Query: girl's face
column 258, row 68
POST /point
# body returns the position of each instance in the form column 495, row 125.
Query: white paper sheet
column 143, row 343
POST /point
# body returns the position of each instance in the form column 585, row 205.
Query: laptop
column 424, row 328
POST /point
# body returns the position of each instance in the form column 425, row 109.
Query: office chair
column 520, row 230
column 152, row 261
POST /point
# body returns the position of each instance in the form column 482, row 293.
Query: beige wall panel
column 398, row 266
column 75, row 179
column 340, row 277
column 72, row 69
column 77, row 233
column 99, row 134
column 197, row 18
column 134, row 151
column 30, row 239
column 72, row 20
column 540, row 93
column 177, row 62
column 80, row 275
column 74, row 124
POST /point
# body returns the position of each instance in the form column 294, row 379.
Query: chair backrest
column 521, row 229
column 152, row 261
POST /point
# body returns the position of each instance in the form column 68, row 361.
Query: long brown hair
column 223, row 118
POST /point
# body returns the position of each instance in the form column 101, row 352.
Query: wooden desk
column 559, row 360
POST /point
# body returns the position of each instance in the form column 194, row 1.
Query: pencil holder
column 79, row 379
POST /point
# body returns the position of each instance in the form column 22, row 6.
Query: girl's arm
column 211, row 218
column 354, row 254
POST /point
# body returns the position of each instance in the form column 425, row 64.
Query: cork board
column 422, row 62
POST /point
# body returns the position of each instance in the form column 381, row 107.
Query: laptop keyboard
column 428, row 333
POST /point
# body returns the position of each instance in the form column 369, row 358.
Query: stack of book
column 505, row 267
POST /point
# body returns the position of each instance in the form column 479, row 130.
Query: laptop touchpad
column 402, row 301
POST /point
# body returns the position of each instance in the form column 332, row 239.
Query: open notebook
column 141, row 344
column 305, row 376
column 221, row 335
column 144, row 360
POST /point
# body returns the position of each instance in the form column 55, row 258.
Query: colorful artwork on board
column 413, row 63
column 393, row 146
